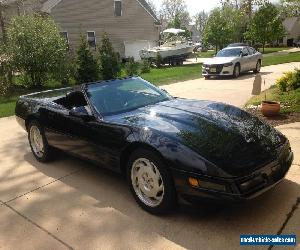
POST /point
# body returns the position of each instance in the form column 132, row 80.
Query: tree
column 109, row 60
column 266, row 25
column 201, row 21
column 35, row 47
column 152, row 6
column 87, row 66
column 170, row 8
column 290, row 7
column 223, row 27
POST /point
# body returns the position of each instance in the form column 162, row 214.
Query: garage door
column 132, row 48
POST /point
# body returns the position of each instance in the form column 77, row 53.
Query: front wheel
column 150, row 182
column 258, row 67
column 38, row 142
column 236, row 71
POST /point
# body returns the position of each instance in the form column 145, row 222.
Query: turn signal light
column 193, row 182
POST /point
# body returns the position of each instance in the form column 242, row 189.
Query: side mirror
column 80, row 112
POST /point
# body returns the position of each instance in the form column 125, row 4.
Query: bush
column 110, row 65
column 159, row 60
column 131, row 67
column 87, row 66
column 35, row 47
column 145, row 66
column 289, row 81
column 5, row 75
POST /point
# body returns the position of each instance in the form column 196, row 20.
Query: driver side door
column 245, row 60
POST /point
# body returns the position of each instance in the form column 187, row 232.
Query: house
column 292, row 26
column 130, row 24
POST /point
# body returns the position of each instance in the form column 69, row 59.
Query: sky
column 195, row 6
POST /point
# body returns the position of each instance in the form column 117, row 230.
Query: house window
column 118, row 8
column 91, row 38
column 65, row 36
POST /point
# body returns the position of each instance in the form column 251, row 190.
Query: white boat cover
column 174, row 31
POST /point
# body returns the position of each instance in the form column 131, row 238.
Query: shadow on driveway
column 207, row 224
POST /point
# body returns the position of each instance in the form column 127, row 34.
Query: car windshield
column 235, row 52
column 120, row 96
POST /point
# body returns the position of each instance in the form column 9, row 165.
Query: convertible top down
column 167, row 147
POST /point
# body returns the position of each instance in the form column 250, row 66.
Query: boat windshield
column 234, row 52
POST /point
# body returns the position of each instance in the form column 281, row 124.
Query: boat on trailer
column 173, row 51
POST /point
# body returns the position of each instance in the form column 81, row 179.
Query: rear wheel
column 150, row 182
column 38, row 142
column 258, row 67
column 236, row 71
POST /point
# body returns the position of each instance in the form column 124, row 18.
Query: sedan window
column 234, row 52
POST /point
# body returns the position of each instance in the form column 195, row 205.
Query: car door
column 253, row 58
column 245, row 60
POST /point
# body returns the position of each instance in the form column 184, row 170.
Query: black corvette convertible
column 166, row 147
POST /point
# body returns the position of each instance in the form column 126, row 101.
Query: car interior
column 72, row 100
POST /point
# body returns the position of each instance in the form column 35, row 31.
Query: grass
column 278, row 59
column 168, row 75
column 272, row 50
column 207, row 54
column 290, row 100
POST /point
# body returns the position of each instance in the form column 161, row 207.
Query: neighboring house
column 131, row 24
column 196, row 36
column 292, row 26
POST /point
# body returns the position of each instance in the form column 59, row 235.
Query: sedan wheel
column 258, row 67
column 150, row 182
column 236, row 71
column 38, row 142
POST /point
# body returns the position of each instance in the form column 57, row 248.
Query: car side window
column 73, row 100
column 245, row 52
column 252, row 51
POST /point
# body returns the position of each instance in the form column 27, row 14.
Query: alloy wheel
column 147, row 182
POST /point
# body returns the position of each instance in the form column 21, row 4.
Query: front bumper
column 235, row 189
column 217, row 70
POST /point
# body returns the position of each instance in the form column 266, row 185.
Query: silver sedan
column 232, row 61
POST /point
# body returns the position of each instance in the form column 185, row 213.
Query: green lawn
column 168, row 75
column 272, row 50
column 278, row 59
column 207, row 54
column 290, row 100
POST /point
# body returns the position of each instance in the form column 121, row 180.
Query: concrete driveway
column 228, row 90
column 70, row 204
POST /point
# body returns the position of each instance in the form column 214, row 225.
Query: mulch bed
column 281, row 119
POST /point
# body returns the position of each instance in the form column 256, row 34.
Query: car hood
column 228, row 137
column 220, row 60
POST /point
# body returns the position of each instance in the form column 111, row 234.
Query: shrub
column 131, row 67
column 289, row 81
column 159, row 60
column 35, row 47
column 110, row 66
column 87, row 66
column 145, row 66
column 5, row 76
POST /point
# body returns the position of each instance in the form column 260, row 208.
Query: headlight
column 228, row 64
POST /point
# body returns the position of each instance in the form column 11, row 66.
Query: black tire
column 169, row 199
column 207, row 77
column 258, row 66
column 236, row 71
column 47, row 153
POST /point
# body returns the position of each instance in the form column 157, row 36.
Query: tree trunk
column 2, row 24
